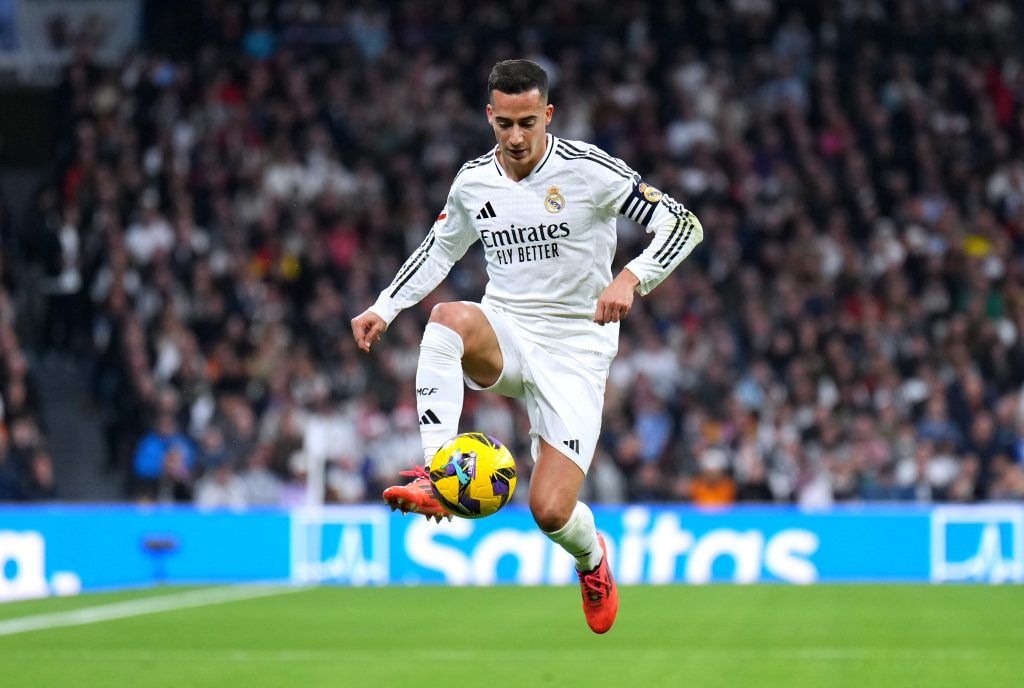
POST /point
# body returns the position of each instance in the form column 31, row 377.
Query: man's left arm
column 676, row 232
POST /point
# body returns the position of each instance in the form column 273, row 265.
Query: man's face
column 520, row 123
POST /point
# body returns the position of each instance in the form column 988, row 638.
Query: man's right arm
column 447, row 241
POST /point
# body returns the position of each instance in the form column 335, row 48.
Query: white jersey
column 549, row 240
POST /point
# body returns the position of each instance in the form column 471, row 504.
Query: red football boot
column 416, row 497
column 600, row 596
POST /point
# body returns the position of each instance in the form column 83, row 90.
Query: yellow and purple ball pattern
column 473, row 475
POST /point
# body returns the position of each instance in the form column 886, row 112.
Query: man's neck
column 524, row 172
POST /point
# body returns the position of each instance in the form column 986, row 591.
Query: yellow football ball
column 473, row 475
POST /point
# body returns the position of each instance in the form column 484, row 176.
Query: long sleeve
column 446, row 242
column 676, row 232
column 620, row 191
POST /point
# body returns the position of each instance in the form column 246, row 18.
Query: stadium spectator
column 10, row 476
column 175, row 481
column 41, row 483
column 854, row 328
column 163, row 461
column 262, row 486
column 713, row 486
column 221, row 487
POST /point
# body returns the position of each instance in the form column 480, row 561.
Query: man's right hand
column 367, row 328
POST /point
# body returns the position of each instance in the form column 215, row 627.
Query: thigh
column 555, row 478
column 554, row 484
column 480, row 374
column 482, row 359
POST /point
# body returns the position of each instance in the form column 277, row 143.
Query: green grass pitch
column 712, row 636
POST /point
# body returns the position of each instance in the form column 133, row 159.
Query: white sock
column 578, row 537
column 439, row 387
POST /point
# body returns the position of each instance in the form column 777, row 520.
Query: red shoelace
column 595, row 585
column 417, row 471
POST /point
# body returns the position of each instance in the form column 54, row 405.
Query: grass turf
column 835, row 636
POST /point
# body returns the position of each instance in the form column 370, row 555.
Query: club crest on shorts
column 649, row 192
column 555, row 201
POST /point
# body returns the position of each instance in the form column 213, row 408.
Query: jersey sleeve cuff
column 647, row 281
column 385, row 308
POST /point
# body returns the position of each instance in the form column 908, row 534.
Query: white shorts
column 564, row 391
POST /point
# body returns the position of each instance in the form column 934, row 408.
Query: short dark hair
column 517, row 76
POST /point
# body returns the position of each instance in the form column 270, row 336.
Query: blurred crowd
column 26, row 466
column 852, row 327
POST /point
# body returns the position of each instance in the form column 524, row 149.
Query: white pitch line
column 149, row 605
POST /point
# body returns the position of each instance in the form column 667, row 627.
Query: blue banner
column 48, row 550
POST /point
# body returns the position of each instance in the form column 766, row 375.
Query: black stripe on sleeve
column 477, row 162
column 425, row 245
column 413, row 260
column 572, row 148
column 597, row 153
column 667, row 260
column 671, row 237
column 589, row 158
column 419, row 264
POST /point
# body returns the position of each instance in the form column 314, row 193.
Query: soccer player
column 547, row 328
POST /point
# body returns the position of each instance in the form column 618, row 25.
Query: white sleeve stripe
column 645, row 218
column 638, row 207
column 631, row 210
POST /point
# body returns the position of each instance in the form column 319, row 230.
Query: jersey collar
column 551, row 141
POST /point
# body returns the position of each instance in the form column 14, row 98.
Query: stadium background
column 190, row 223
column 198, row 197
column 195, row 198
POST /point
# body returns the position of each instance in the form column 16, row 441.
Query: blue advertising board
column 64, row 549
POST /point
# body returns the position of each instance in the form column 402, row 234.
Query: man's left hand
column 615, row 301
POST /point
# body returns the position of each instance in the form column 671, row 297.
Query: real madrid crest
column 649, row 192
column 555, row 201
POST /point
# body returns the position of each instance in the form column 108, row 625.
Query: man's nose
column 517, row 136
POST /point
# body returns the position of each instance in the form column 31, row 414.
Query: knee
column 549, row 514
column 452, row 315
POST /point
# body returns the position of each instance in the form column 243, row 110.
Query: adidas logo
column 486, row 212
column 572, row 444
column 429, row 418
